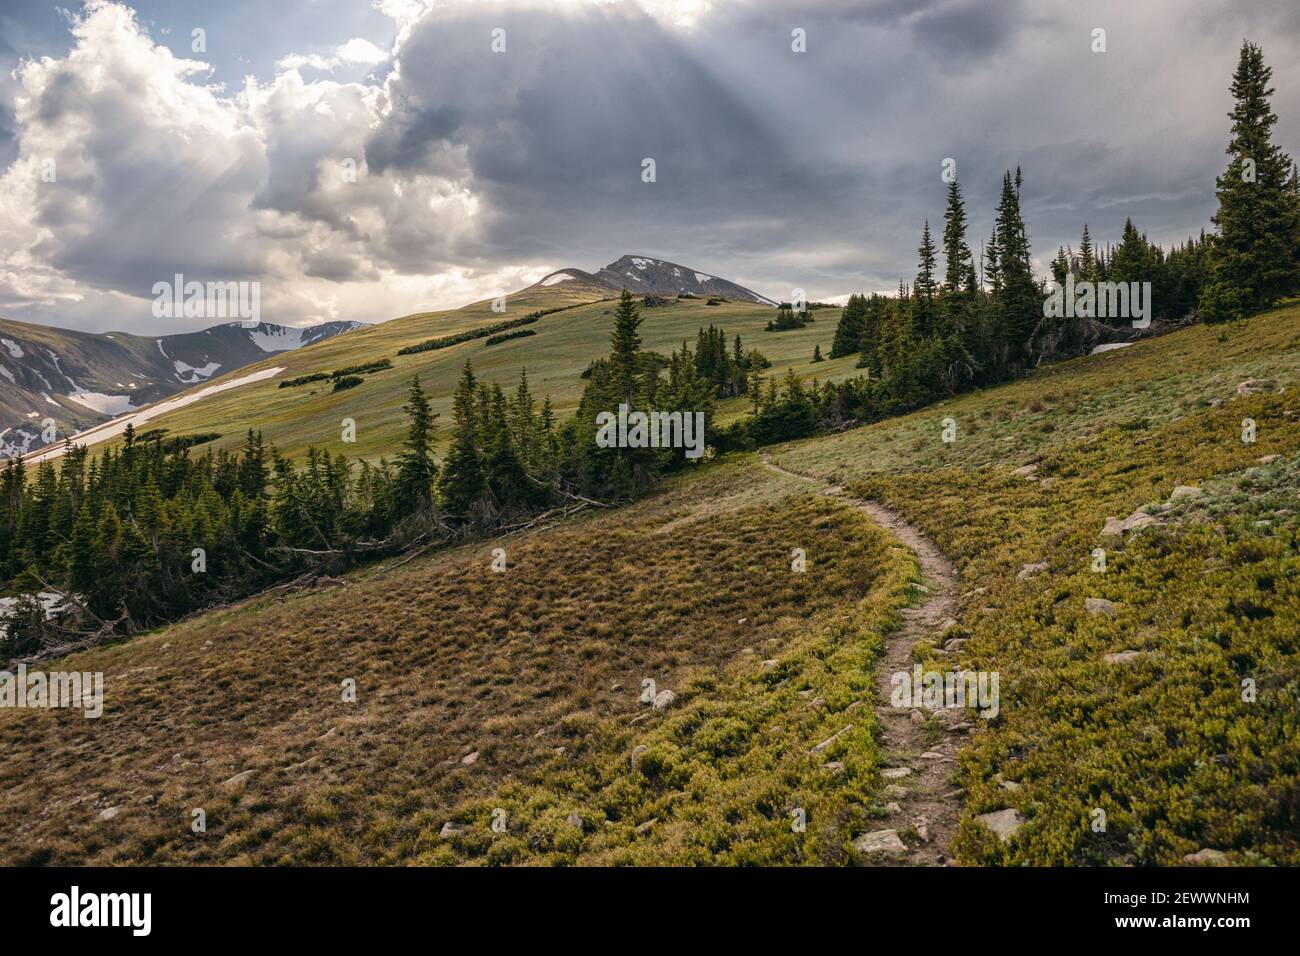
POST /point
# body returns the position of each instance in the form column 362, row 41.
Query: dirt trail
column 923, row 743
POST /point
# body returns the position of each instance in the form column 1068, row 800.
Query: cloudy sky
column 224, row 155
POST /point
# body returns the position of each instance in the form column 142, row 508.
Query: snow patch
column 4, row 370
column 101, row 402
column 281, row 340
column 196, row 375
column 701, row 277
column 1110, row 347
column 557, row 278
column 15, row 350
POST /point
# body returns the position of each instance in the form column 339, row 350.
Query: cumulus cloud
column 498, row 140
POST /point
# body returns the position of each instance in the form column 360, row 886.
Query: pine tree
column 626, row 343
column 416, row 470
column 1255, row 258
column 848, row 331
column 956, row 253
column 461, row 481
column 817, row 354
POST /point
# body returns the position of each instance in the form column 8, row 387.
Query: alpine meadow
column 354, row 515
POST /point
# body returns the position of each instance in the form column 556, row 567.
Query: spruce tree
column 1255, row 258
column 416, row 470
column 461, row 482
column 626, row 343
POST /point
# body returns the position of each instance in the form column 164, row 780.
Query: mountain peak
column 642, row 274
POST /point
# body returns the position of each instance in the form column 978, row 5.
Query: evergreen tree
column 1256, row 254
column 626, row 343
column 461, row 482
column 416, row 470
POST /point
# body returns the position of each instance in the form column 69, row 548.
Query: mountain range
column 80, row 379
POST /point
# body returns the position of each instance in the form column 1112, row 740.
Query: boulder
column 886, row 843
column 1207, row 857
column 663, row 699
column 469, row 759
column 1004, row 823
column 109, row 813
column 1185, row 491
column 1029, row 570
column 449, row 830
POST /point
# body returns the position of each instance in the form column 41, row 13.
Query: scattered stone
column 640, row 717
column 1025, row 471
column 771, row 663
column 1185, row 491
column 947, row 625
column 818, row 703
column 830, row 740
column 1137, row 521
column 1004, row 823
column 880, row 843
column 1096, row 606
column 1113, row 529
column 1009, row 785
column 918, row 586
column 1207, row 857
column 743, row 620
column 922, row 826
column 237, row 779
column 933, row 755
column 918, row 717
column 109, row 813
column 892, row 808
column 1268, row 459
column 961, row 727
column 637, row 751
column 646, row 827
column 1029, row 570
column 469, row 759
column 449, row 830
column 974, row 593
column 560, row 751
column 834, row 766
column 1252, row 386
column 895, row 773
column 663, row 699
column 616, row 686
column 956, row 644
column 574, row 820
column 895, row 791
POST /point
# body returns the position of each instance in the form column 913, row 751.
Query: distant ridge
column 642, row 274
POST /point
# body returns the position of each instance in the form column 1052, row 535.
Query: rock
column 1029, row 570
column 956, row 644
column 830, row 740
column 947, row 625
column 1122, row 657
column 1268, row 459
column 1137, row 521
column 933, row 755
column 771, row 663
column 238, row 779
column 743, row 620
column 1004, row 823
column 574, row 820
column 616, row 686
column 894, row 791
column 892, row 808
column 1096, row 606
column 922, row 826
column 1025, row 471
column 646, row 827
column 1113, row 529
column 917, row 717
column 469, row 759
column 818, row 703
column 640, row 717
column 834, row 766
column 109, row 813
column 663, row 699
column 449, row 830
column 974, row 593
column 1252, row 386
column 880, row 843
column 637, row 751
column 895, row 773
column 1185, row 491
column 1009, row 785
column 560, row 751
column 1207, row 857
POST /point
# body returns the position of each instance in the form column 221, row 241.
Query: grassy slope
column 1164, row 744
column 555, row 358
column 450, row 657
column 538, row 670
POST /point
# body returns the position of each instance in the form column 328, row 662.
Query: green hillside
column 555, row 357
column 515, row 694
